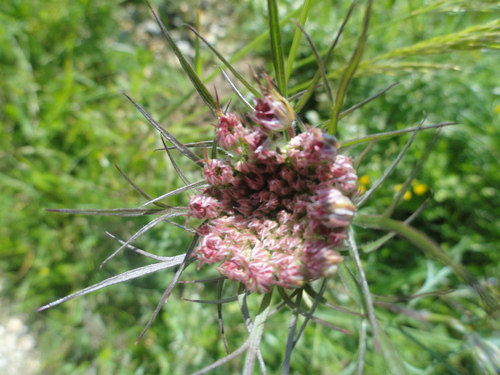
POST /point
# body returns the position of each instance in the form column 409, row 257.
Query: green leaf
column 360, row 200
column 385, row 135
column 321, row 66
column 170, row 137
column 392, row 357
column 428, row 149
column 142, row 192
column 292, row 326
column 366, row 101
column 276, row 46
column 349, row 71
column 256, row 334
column 114, row 211
column 198, row 63
column 188, row 69
column 365, row 290
column 304, row 12
column 310, row 87
column 129, row 275
column 240, row 78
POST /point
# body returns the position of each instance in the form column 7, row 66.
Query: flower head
column 229, row 131
column 276, row 211
column 273, row 112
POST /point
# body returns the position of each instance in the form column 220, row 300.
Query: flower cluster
column 275, row 211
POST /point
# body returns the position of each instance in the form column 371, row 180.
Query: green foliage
column 63, row 66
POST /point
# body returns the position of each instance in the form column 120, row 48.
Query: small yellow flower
column 364, row 180
column 407, row 196
column 420, row 189
column 361, row 189
column 497, row 109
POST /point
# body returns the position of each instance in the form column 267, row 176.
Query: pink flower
column 320, row 259
column 255, row 138
column 246, row 167
column 233, row 271
column 203, row 207
column 246, row 206
column 273, row 113
column 346, row 177
column 292, row 274
column 260, row 277
column 229, row 131
column 218, row 172
column 331, row 208
column 255, row 182
column 210, row 250
column 279, row 187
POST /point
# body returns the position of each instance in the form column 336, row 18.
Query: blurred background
column 65, row 123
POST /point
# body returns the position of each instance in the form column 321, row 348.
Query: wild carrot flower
column 276, row 211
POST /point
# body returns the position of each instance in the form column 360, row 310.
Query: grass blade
column 437, row 357
column 321, row 66
column 276, row 46
column 240, row 78
column 359, row 159
column 174, row 164
column 218, row 301
column 236, row 91
column 220, row 288
column 183, row 149
column 194, row 185
column 142, row 192
column 197, row 56
column 310, row 87
column 349, row 72
column 359, row 105
column 367, row 297
column 304, row 12
column 183, row 264
column 485, row 36
column 392, row 357
column 386, row 135
column 359, row 201
column 188, row 69
column 128, row 212
column 129, row 275
column 139, row 251
column 430, row 146
column 290, row 342
column 375, row 245
column 256, row 334
column 226, row 359
column 141, row 231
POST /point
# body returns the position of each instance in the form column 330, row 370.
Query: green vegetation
column 65, row 123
